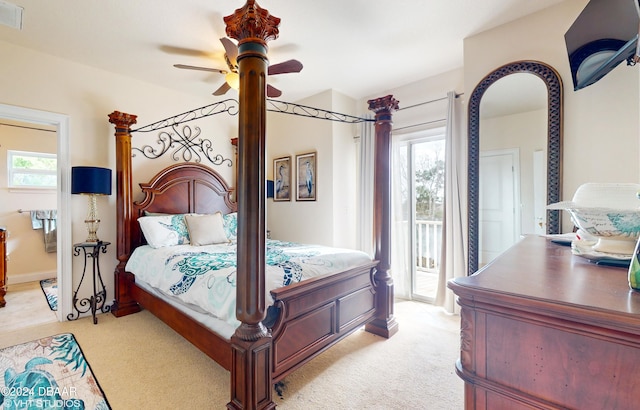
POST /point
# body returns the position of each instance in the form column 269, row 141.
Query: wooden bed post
column 234, row 184
column 384, row 324
column 251, row 344
column 123, row 304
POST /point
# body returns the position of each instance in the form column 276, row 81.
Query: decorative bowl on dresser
column 607, row 214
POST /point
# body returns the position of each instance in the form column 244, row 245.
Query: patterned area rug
column 49, row 373
column 50, row 289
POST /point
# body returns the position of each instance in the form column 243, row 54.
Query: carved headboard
column 180, row 189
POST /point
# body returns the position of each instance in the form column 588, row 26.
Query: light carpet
column 143, row 364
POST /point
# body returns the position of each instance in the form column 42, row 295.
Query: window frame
column 11, row 171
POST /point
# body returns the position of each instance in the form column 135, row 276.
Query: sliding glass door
column 421, row 160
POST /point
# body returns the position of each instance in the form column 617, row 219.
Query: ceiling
column 357, row 47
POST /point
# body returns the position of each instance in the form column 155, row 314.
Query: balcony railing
column 428, row 245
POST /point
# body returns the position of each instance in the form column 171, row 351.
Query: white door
column 540, row 192
column 499, row 216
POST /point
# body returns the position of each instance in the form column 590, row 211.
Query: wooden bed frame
column 314, row 314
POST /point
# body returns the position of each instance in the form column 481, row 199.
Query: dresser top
column 548, row 276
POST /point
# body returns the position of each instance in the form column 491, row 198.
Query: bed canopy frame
column 250, row 359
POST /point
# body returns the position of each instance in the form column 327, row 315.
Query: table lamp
column 269, row 188
column 91, row 181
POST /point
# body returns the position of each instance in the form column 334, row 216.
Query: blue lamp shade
column 90, row 180
column 269, row 188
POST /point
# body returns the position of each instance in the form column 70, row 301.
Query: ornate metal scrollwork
column 186, row 144
column 229, row 106
column 311, row 112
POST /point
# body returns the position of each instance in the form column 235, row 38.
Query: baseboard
column 30, row 277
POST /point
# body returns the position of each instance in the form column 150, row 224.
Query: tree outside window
column 32, row 170
column 429, row 180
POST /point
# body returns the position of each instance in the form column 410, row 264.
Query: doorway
column 421, row 164
column 63, row 254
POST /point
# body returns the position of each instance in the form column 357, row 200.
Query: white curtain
column 365, row 192
column 454, row 230
column 400, row 220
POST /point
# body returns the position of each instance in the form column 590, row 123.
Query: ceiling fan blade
column 231, row 52
column 222, row 89
column 183, row 51
column 273, row 91
column 289, row 66
column 193, row 67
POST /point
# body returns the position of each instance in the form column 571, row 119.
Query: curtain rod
column 427, row 102
column 24, row 126
column 419, row 124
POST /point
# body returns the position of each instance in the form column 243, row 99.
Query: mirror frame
column 552, row 80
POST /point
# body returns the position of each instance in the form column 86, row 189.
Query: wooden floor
column 26, row 306
column 426, row 284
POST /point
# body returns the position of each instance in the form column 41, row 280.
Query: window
column 35, row 170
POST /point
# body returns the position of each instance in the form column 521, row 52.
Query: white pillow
column 165, row 230
column 206, row 229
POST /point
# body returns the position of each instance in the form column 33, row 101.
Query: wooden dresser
column 3, row 266
column 544, row 329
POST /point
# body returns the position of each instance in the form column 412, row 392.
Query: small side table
column 96, row 301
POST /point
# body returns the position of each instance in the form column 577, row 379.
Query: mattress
column 203, row 278
column 211, row 322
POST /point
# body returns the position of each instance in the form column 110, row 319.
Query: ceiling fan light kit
column 232, row 80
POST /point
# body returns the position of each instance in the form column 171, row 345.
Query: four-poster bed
column 313, row 314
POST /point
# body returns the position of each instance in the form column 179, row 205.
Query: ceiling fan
column 232, row 79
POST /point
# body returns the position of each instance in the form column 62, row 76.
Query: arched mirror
column 536, row 165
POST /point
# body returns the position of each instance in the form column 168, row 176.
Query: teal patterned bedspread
column 204, row 277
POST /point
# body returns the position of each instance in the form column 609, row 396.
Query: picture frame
column 306, row 177
column 282, row 179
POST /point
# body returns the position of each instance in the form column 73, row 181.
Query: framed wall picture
column 306, row 177
column 282, row 179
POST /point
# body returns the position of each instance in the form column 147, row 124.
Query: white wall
column 289, row 135
column 411, row 97
column 601, row 122
column 87, row 95
column 330, row 219
column 345, row 155
column 27, row 258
